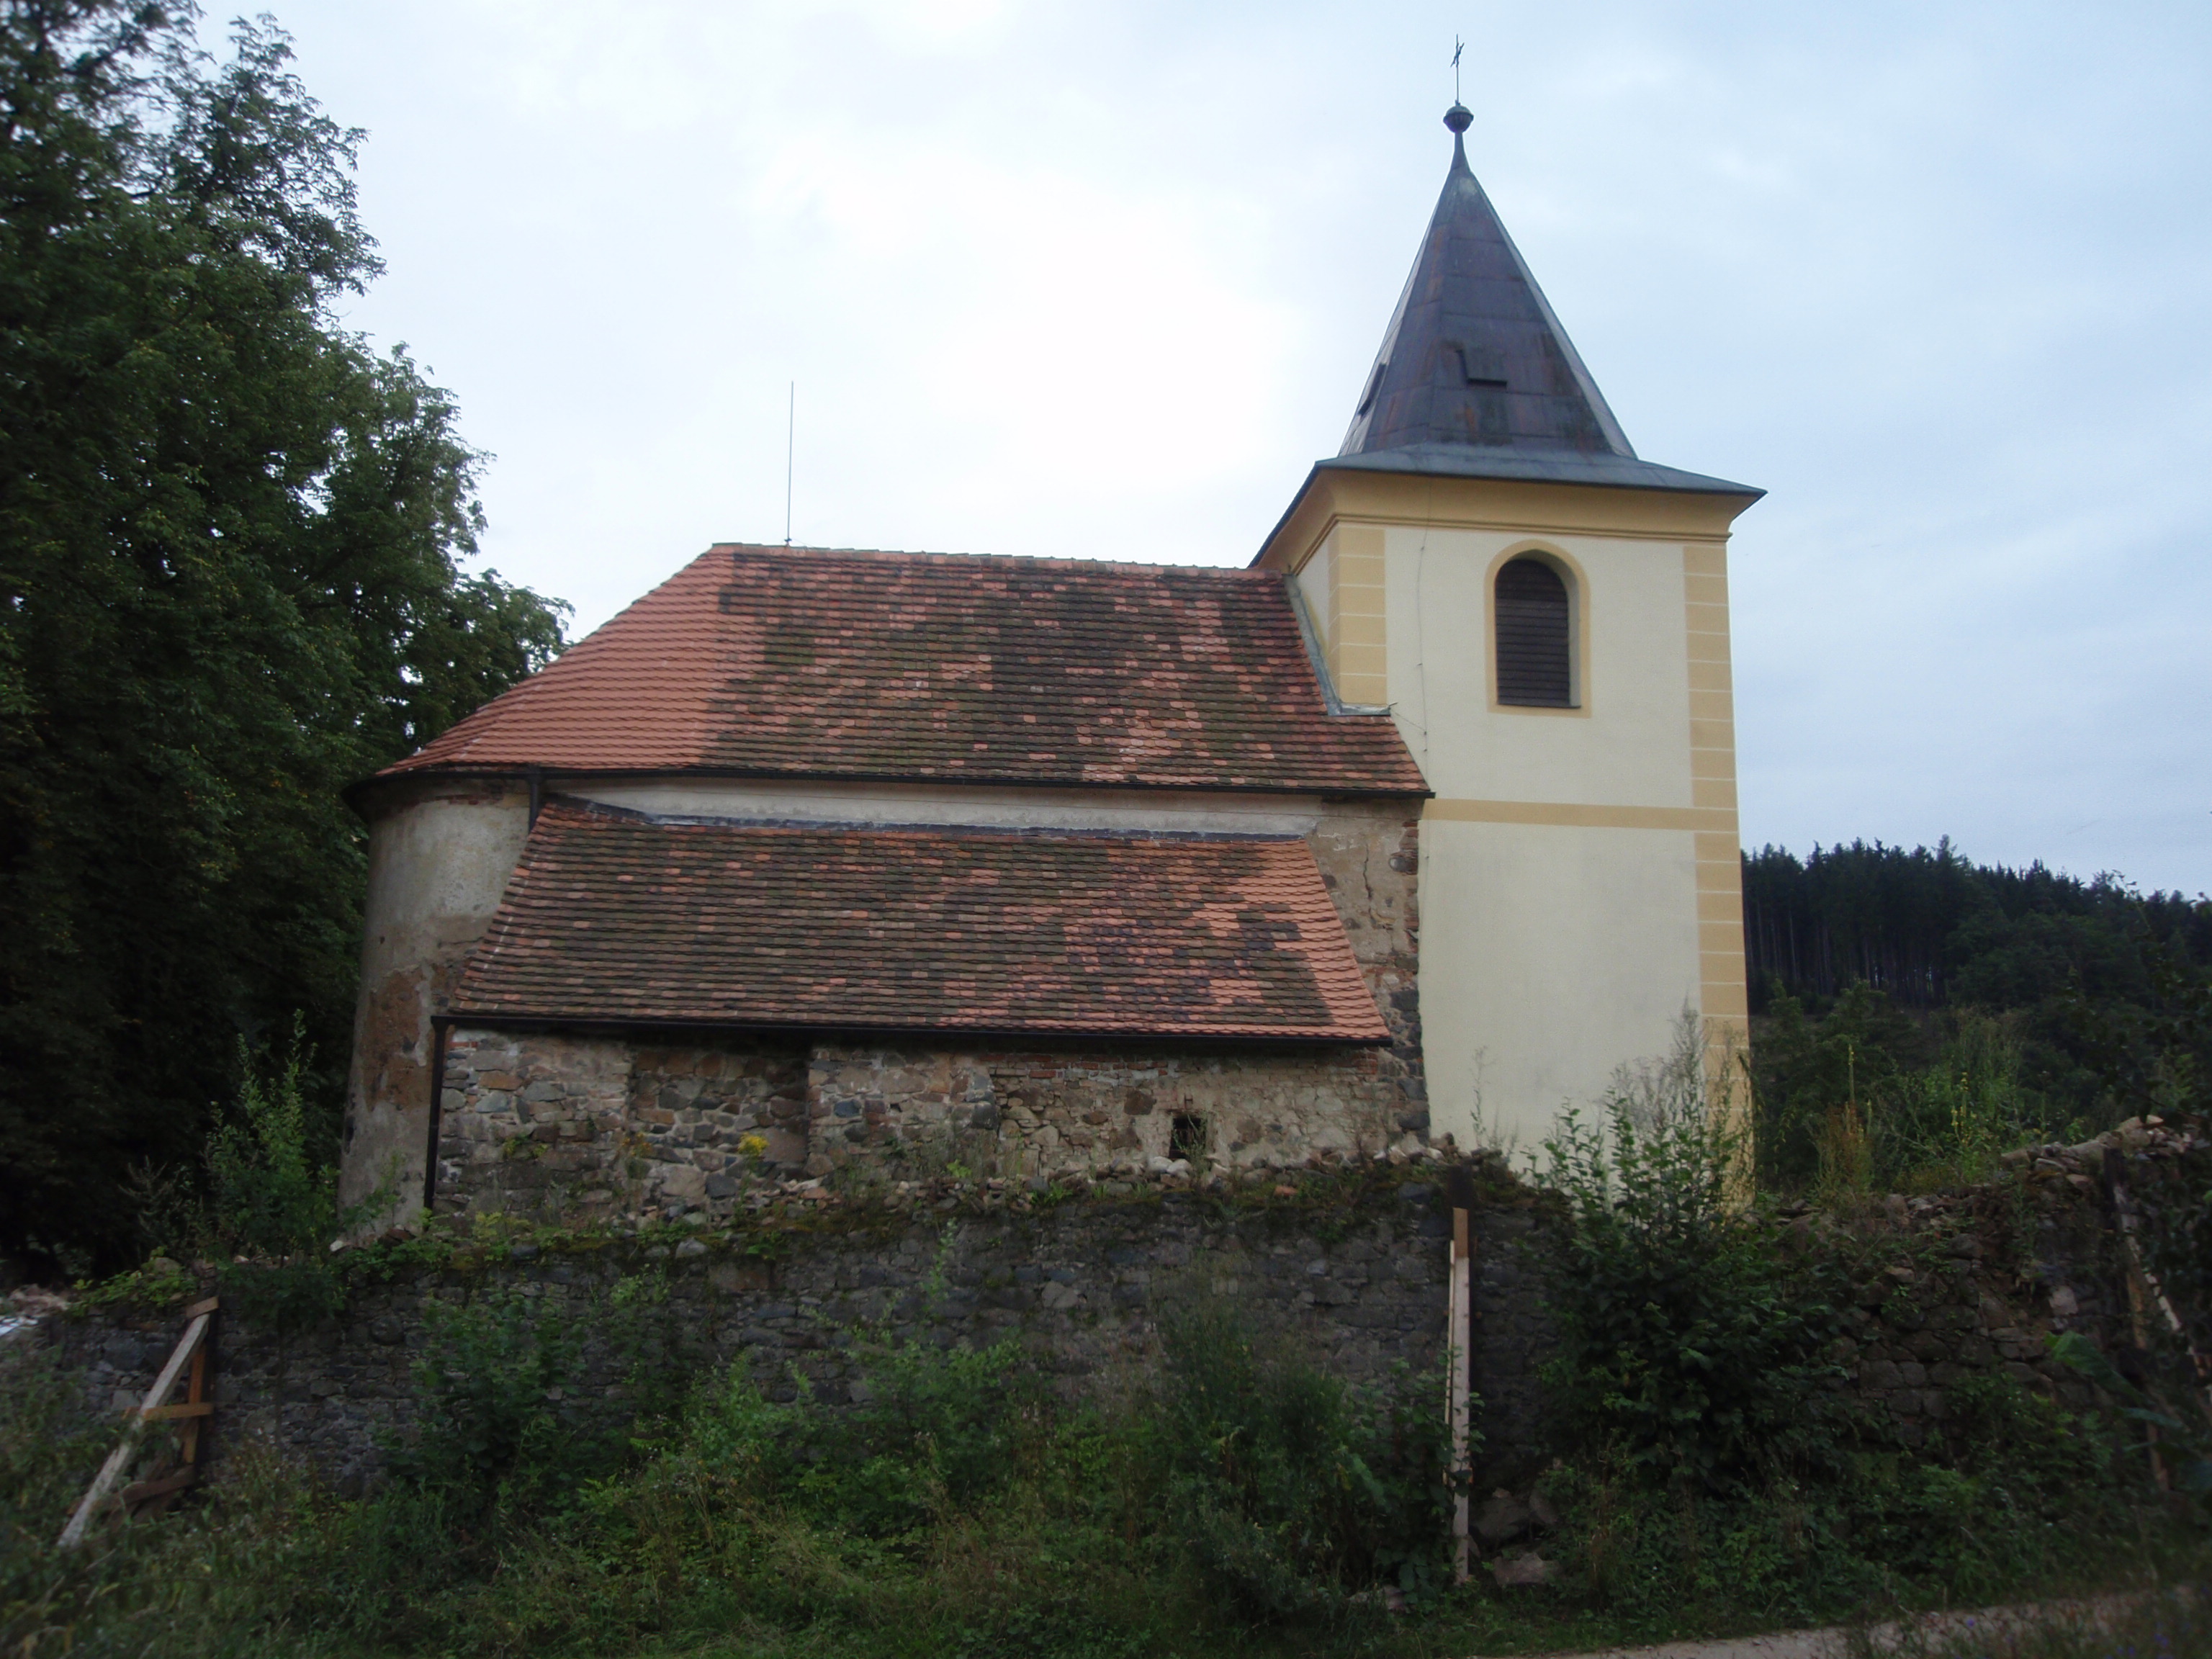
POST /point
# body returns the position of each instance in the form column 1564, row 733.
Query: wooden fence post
column 1459, row 1315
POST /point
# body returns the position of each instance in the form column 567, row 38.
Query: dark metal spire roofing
column 1477, row 377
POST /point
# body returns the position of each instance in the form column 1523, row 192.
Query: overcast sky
column 1103, row 281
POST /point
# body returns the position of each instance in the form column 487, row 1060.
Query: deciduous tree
column 232, row 550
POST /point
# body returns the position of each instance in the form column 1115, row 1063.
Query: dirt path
column 1909, row 1636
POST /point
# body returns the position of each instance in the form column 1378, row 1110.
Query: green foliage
column 1930, row 929
column 2185, row 1437
column 935, row 1436
column 485, row 1386
column 268, row 1207
column 230, row 585
column 1712, row 1460
column 205, row 1582
column 2174, row 1202
column 269, row 1193
column 2014, row 1489
column 2027, row 1492
column 1289, row 1488
column 1870, row 1098
column 2099, row 991
column 1689, row 1351
column 940, row 1431
column 955, row 1506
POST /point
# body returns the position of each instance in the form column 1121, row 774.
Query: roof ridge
column 583, row 807
column 892, row 554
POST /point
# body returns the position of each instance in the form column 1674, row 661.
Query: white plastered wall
column 437, row 866
column 1628, row 744
column 1579, row 878
column 1550, row 954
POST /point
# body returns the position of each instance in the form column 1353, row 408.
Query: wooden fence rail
column 157, row 1493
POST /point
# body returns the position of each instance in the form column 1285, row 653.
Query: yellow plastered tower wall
column 1581, row 882
column 1580, row 879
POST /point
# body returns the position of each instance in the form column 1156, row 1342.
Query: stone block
column 680, row 1181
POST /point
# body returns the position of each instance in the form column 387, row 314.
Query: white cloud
column 1102, row 282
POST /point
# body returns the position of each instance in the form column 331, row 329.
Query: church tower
column 1546, row 617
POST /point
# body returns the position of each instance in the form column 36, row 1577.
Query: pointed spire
column 1477, row 378
column 1474, row 356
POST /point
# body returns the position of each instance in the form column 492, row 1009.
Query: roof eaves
column 1515, row 466
column 1222, row 1036
column 1332, row 789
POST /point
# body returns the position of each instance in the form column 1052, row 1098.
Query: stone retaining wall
column 1965, row 1286
column 1079, row 1286
column 1352, row 1267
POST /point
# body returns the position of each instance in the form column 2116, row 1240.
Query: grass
column 1242, row 1504
column 1716, row 1478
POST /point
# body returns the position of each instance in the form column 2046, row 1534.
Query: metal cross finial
column 1456, row 118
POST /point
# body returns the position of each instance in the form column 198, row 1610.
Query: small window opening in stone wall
column 1187, row 1137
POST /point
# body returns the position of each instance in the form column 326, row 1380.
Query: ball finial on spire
column 1459, row 117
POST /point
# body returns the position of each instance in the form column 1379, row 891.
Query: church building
column 848, row 867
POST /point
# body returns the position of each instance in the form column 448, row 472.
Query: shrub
column 1688, row 1349
column 207, row 1580
column 1291, row 1488
column 488, row 1425
column 272, row 1196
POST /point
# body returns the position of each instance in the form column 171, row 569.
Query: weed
column 1689, row 1349
column 1290, row 1489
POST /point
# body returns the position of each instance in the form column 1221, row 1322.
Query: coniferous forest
column 1933, row 1011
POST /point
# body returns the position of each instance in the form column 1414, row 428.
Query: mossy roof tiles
column 616, row 918
column 801, row 663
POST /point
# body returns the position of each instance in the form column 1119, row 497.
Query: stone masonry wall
column 1028, row 1115
column 1955, row 1290
column 1351, row 1266
column 1079, row 1286
column 1370, row 862
column 554, row 1126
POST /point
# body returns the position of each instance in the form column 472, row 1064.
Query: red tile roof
column 613, row 917
column 797, row 662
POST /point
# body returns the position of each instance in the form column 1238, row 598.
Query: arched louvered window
column 1535, row 641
